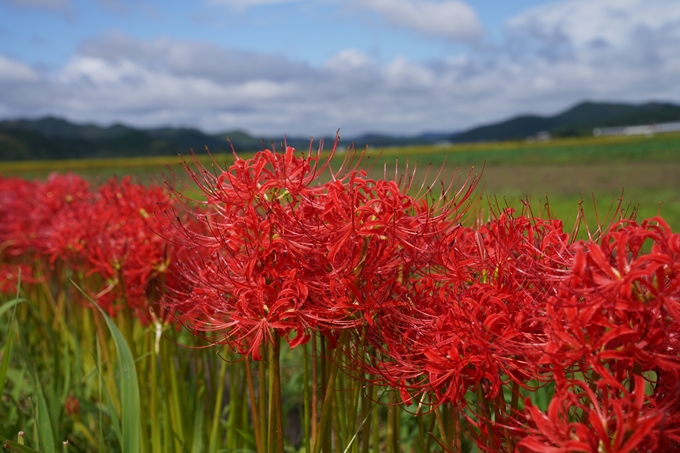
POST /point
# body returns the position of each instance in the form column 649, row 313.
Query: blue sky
column 306, row 67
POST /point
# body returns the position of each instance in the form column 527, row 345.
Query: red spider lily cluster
column 280, row 251
column 474, row 317
column 108, row 232
column 289, row 246
column 615, row 319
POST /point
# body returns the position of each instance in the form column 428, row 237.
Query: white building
column 649, row 129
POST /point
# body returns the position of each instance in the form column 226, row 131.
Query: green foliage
column 129, row 388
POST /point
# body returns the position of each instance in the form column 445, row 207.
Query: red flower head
column 289, row 244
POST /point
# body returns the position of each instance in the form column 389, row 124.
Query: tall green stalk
column 323, row 435
column 217, row 410
column 253, row 407
column 306, row 401
column 275, row 406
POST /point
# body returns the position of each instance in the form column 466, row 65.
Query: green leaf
column 44, row 422
column 12, row 303
column 16, row 447
column 8, row 344
column 129, row 386
column 115, row 422
column 197, row 444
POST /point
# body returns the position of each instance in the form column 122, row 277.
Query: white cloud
column 12, row 70
column 192, row 59
column 555, row 55
column 348, row 60
column 585, row 22
column 450, row 19
column 580, row 29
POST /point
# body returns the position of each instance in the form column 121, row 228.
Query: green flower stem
column 156, row 445
column 353, row 410
column 173, row 401
column 335, row 422
column 306, row 397
column 421, row 433
column 232, row 431
column 245, row 423
column 485, row 415
column 397, row 424
column 428, row 439
column 217, row 411
column 322, row 435
column 390, row 442
column 262, row 397
column 375, row 421
column 327, row 362
column 502, row 417
column 366, row 399
column 145, row 387
column 275, row 416
column 253, row 406
column 315, row 389
column 343, row 414
column 441, row 426
column 457, row 429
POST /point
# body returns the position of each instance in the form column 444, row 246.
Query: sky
column 305, row 68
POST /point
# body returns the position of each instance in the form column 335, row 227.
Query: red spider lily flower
column 282, row 250
column 611, row 420
column 72, row 406
column 618, row 309
column 110, row 232
column 476, row 319
column 243, row 276
column 616, row 315
column 17, row 206
column 44, row 218
column 10, row 275
column 124, row 246
column 65, row 203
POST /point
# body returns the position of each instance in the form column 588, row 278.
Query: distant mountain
column 578, row 120
column 55, row 138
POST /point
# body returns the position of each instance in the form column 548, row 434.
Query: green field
column 645, row 169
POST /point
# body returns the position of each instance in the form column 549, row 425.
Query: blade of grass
column 129, row 386
column 199, row 416
column 44, row 423
column 361, row 425
column 8, row 347
column 115, row 422
column 214, row 430
column 15, row 447
column 7, row 306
